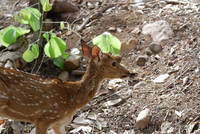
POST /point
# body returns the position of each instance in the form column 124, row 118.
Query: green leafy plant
column 108, row 43
column 55, row 48
column 29, row 16
column 46, row 6
column 62, row 25
column 10, row 34
column 59, row 61
column 31, row 54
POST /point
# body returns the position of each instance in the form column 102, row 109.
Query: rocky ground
column 160, row 41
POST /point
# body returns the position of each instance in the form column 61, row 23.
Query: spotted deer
column 51, row 103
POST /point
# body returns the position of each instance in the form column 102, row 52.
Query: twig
column 97, row 14
column 83, row 24
column 178, row 76
column 173, row 2
column 40, row 42
column 120, row 3
column 15, row 4
column 166, row 115
column 68, row 28
column 186, row 87
column 34, row 4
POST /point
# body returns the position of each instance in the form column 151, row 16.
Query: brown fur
column 51, row 103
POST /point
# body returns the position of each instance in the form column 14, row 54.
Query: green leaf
column 34, row 20
column 62, row 25
column 35, row 50
column 101, row 42
column 59, row 62
column 30, row 55
column 10, row 34
column 23, row 17
column 65, row 56
column 29, row 16
column 46, row 6
column 55, row 47
column 35, row 12
column 48, row 50
column 34, row 23
column 46, row 36
column 21, row 31
column 115, row 44
column 107, row 43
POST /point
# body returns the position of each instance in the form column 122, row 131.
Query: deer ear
column 86, row 49
column 96, row 52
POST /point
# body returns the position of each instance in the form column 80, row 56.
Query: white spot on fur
column 3, row 96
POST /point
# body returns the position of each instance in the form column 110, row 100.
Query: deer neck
column 89, row 84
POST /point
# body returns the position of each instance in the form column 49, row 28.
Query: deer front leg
column 41, row 128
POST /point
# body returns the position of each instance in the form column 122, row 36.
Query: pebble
column 112, row 29
column 166, row 128
column 148, row 51
column 119, row 30
column 90, row 5
column 143, row 119
column 1, row 64
column 155, row 48
column 72, row 62
column 8, row 64
column 139, row 85
column 197, row 131
column 64, row 76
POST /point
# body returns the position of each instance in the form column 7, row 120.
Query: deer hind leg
column 4, row 99
column 59, row 128
column 4, row 95
column 41, row 128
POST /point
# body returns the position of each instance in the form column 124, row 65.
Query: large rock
column 159, row 30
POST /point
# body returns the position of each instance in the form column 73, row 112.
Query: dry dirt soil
column 175, row 103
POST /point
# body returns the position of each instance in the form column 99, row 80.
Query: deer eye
column 114, row 64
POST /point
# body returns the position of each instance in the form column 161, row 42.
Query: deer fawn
column 51, row 103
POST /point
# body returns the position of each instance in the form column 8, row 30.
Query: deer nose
column 126, row 75
column 130, row 75
column 133, row 75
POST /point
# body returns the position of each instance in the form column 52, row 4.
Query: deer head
column 106, row 65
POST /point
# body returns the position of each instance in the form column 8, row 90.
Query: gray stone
column 8, row 64
column 64, row 76
column 148, row 51
column 8, row 55
column 141, row 60
column 72, row 62
column 155, row 48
